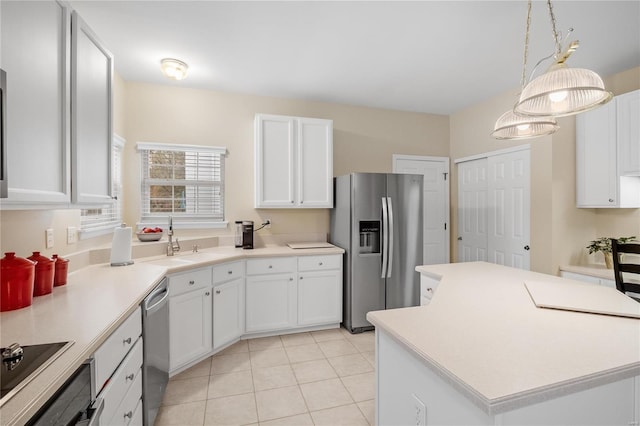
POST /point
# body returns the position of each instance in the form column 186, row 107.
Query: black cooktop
column 21, row 363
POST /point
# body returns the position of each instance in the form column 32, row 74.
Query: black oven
column 3, row 134
column 73, row 404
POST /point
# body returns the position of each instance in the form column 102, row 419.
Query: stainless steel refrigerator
column 377, row 220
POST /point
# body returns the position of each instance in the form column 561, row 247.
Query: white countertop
column 483, row 334
column 94, row 302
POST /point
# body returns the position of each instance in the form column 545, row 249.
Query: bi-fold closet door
column 494, row 208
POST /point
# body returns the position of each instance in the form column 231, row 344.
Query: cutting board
column 582, row 298
column 310, row 245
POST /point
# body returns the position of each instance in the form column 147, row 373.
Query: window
column 182, row 181
column 102, row 219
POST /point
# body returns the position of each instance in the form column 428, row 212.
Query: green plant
column 603, row 244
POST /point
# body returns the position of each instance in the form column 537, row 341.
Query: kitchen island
column 481, row 352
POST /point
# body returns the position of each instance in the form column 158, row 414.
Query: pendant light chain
column 556, row 36
column 523, row 80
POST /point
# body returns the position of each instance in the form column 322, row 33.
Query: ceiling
column 432, row 56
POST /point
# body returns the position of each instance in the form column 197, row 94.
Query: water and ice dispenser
column 369, row 236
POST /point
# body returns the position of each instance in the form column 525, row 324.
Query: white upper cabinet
column 608, row 154
column 293, row 162
column 629, row 133
column 59, row 108
column 91, row 120
column 34, row 52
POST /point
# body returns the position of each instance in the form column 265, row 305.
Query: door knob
column 459, row 238
column 526, row 248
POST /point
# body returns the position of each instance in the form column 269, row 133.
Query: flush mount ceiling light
column 562, row 91
column 512, row 125
column 174, row 69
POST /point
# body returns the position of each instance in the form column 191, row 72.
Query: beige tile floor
column 317, row 378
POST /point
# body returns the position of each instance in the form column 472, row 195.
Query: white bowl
column 149, row 236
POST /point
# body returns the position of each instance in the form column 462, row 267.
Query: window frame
column 179, row 221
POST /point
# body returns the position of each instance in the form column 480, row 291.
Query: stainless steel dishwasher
column 155, row 339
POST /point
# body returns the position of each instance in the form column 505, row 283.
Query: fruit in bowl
column 150, row 234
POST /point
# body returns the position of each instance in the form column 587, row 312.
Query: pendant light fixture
column 512, row 125
column 562, row 91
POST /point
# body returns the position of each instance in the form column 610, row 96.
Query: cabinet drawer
column 122, row 381
column 136, row 419
column 115, row 348
column 319, row 263
column 428, row 287
column 227, row 272
column 124, row 414
column 273, row 265
column 181, row 283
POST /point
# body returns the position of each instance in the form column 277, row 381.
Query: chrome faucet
column 172, row 247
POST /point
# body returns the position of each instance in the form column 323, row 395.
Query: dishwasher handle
column 150, row 304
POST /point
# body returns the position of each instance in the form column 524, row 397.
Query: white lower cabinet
column 211, row 308
column 190, row 317
column 118, row 373
column 270, row 302
column 228, row 303
column 319, row 290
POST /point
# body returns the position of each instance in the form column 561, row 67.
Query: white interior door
column 436, row 202
column 509, row 209
column 472, row 210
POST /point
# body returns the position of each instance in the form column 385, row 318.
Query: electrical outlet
column 72, row 235
column 420, row 411
column 268, row 223
column 49, row 238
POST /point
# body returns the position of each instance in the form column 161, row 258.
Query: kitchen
column 364, row 140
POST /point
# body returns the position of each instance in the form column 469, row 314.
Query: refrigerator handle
column 385, row 237
column 390, row 233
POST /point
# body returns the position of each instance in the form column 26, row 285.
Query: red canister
column 62, row 267
column 16, row 282
column 45, row 270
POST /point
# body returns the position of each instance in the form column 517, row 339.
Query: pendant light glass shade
column 515, row 126
column 562, row 91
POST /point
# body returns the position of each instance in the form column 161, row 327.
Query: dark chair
column 626, row 283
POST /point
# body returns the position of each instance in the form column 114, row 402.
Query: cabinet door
column 319, row 297
column 274, row 157
column 628, row 106
column 190, row 326
column 596, row 172
column 315, row 163
column 228, row 312
column 91, row 120
column 270, row 302
column 34, row 52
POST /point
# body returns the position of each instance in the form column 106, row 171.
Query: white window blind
column 182, row 181
column 102, row 219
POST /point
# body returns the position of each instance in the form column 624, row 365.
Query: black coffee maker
column 247, row 234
